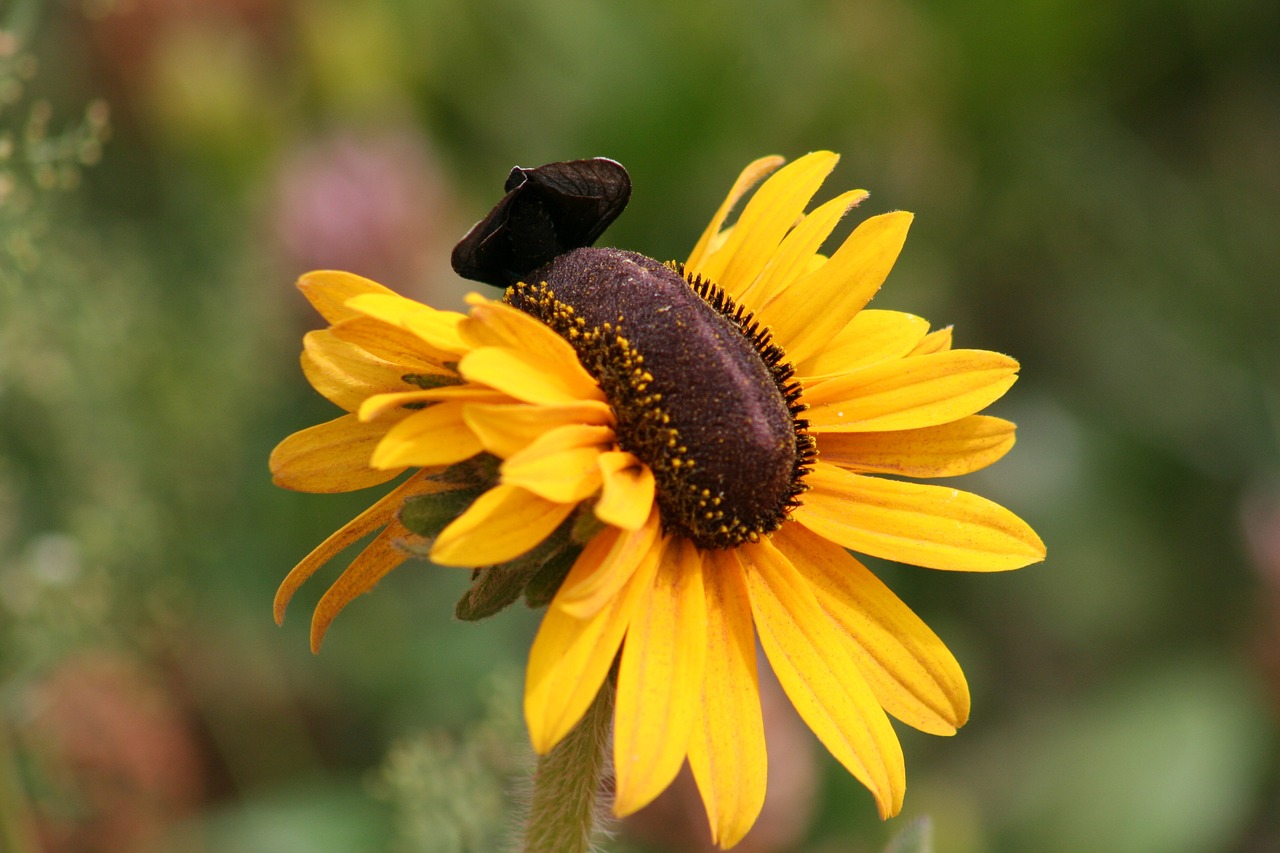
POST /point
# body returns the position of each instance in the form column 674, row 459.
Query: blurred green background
column 1097, row 190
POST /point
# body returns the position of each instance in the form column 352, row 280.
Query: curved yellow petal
column 526, row 377
column 503, row 523
column 506, row 429
column 346, row 374
column 932, row 526
column 946, row 450
column 871, row 336
column 379, row 404
column 561, row 465
column 570, row 657
column 436, row 435
column 493, row 324
column 605, row 565
column 907, row 393
column 791, row 260
column 937, row 341
column 912, row 673
column 823, row 682
column 750, row 176
column 393, row 344
column 660, row 679
column 329, row 290
column 809, row 313
column 727, row 747
column 378, row 559
column 437, row 328
column 330, row 457
column 378, row 515
column 626, row 495
column 768, row 216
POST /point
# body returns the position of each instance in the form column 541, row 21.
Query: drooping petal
column 346, row 374
column 376, row 516
column 378, row 559
column 561, row 465
column 605, row 565
column 727, row 747
column 527, row 377
column 768, row 216
column 493, row 324
column 330, row 457
column 908, row 393
column 808, row 314
column 436, row 435
column 912, row 673
column 823, row 682
column 932, row 526
column 570, row 657
column 660, row 679
column 790, row 261
column 871, row 336
column 329, row 290
column 626, row 496
column 752, row 175
column 947, row 450
column 503, row 523
column 505, row 430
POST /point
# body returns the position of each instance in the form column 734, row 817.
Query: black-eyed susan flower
column 681, row 457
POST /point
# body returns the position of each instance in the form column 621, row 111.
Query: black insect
column 547, row 211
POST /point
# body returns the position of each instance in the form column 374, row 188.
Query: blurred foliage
column 1095, row 187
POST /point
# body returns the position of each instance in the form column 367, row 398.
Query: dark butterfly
column 547, row 211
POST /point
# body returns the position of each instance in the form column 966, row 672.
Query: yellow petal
column 561, row 465
column 727, row 747
column 939, row 341
column 823, row 682
column 379, row 404
column 908, row 393
column 660, row 679
column 505, row 430
column 373, row 564
column 947, row 450
column 493, row 324
column 752, row 175
column 871, row 336
column 329, row 290
column 394, row 344
column 502, row 524
column 808, row 314
column 433, row 436
column 605, row 566
column 345, row 374
column 570, row 657
column 527, row 377
column 771, row 213
column 932, row 526
column 330, row 457
column 378, row 515
column 627, row 493
column 438, row 328
column 791, row 260
column 912, row 673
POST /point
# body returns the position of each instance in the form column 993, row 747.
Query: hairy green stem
column 566, row 785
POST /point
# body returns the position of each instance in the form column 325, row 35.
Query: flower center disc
column 700, row 395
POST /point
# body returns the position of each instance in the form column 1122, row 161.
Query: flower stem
column 566, row 785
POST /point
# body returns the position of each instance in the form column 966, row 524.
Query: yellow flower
column 705, row 497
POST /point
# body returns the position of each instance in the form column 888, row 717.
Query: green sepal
column 542, row 587
column 432, row 380
column 427, row 515
column 494, row 588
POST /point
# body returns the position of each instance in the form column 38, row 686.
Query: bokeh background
column 1097, row 190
